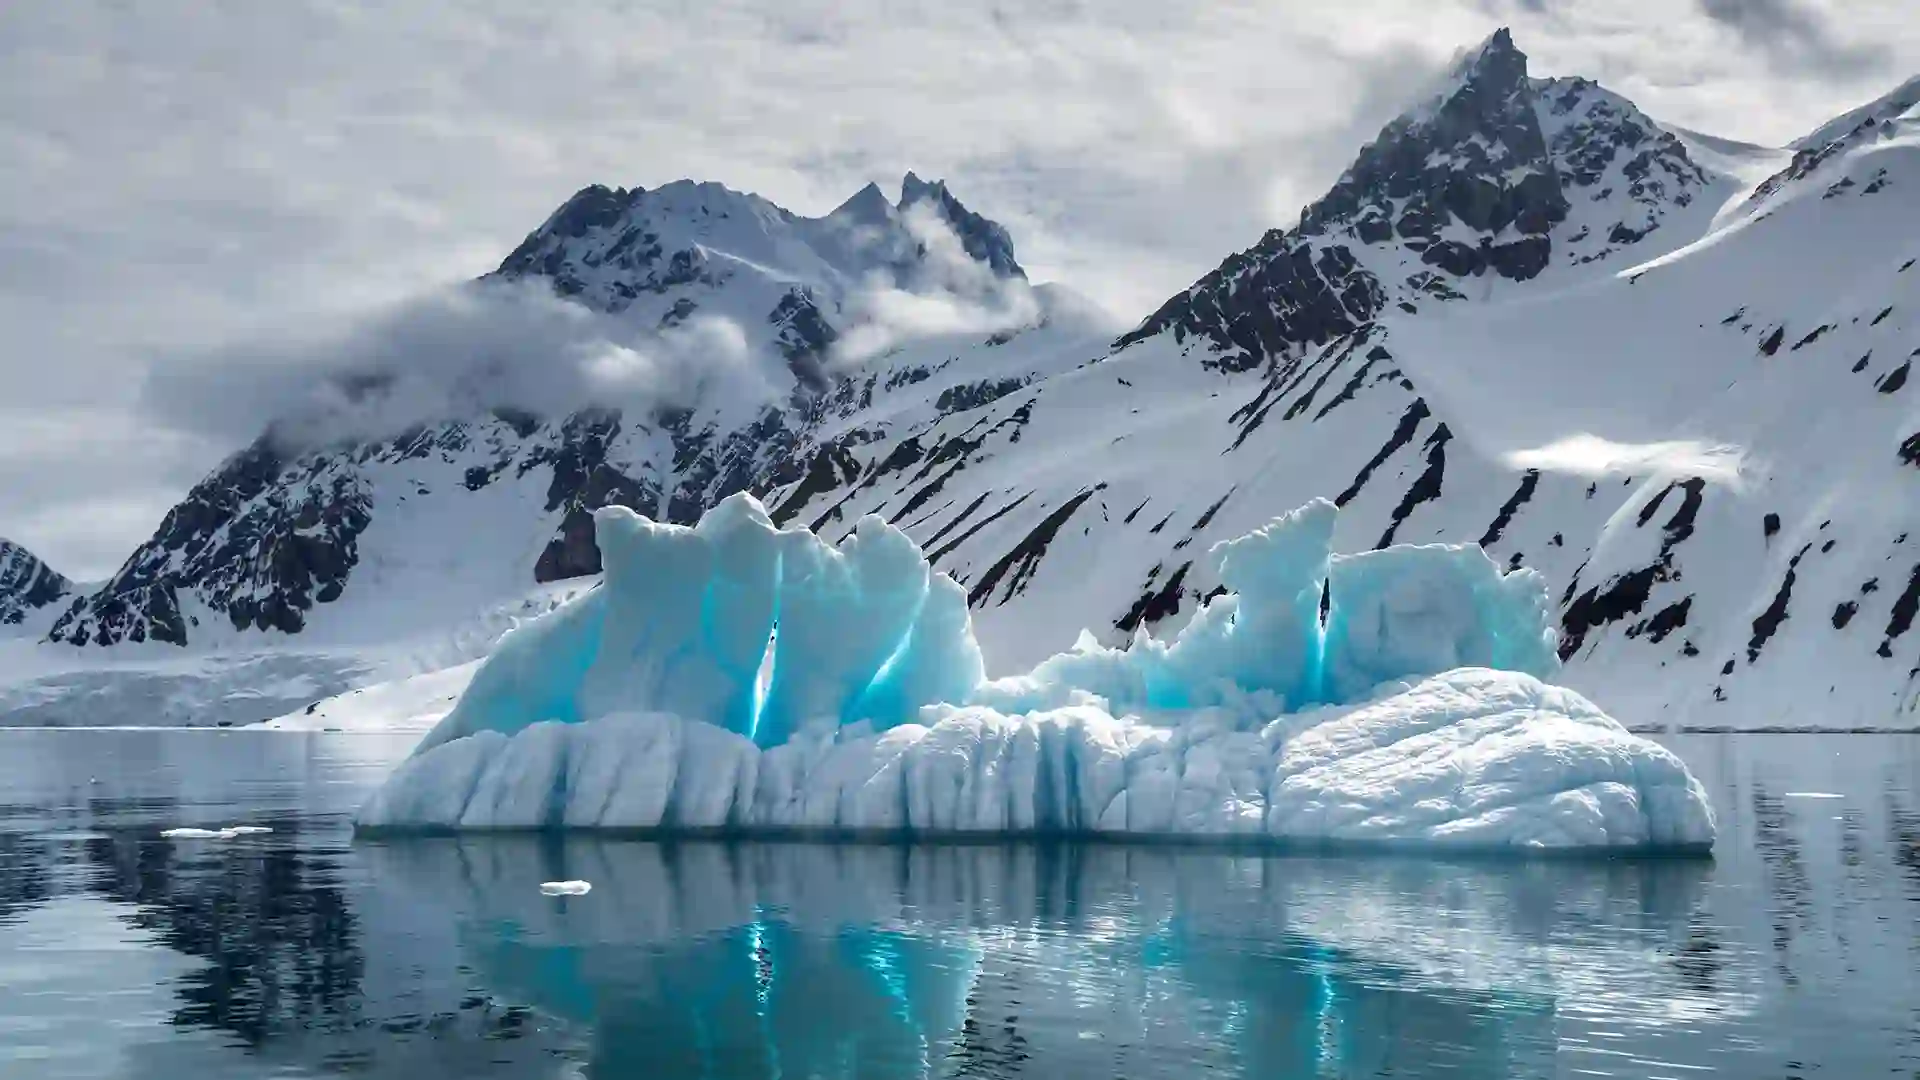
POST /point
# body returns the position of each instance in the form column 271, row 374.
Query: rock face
column 26, row 584
column 1497, row 174
column 260, row 541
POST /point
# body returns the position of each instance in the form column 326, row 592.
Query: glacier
column 735, row 676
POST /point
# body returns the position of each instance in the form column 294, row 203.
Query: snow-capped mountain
column 279, row 533
column 27, row 585
column 1667, row 370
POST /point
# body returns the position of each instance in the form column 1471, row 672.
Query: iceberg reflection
column 765, row 960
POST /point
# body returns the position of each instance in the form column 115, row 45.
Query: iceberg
column 734, row 676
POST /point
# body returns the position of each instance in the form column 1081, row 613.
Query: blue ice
column 1416, row 710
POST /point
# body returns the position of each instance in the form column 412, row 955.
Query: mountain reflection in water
column 307, row 952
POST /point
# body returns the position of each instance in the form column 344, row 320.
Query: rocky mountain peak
column 26, row 583
column 1885, row 107
column 1493, row 174
column 1496, row 59
column 1473, row 154
column 868, row 206
column 609, row 247
column 1832, row 140
column 985, row 240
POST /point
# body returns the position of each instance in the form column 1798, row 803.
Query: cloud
column 1791, row 36
column 1594, row 457
column 184, row 176
column 452, row 353
column 948, row 292
column 458, row 351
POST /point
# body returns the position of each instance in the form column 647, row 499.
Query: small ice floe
column 1814, row 795
column 565, row 888
column 227, row 833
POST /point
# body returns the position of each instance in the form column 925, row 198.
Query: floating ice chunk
column 1471, row 757
column 1409, row 711
column 226, row 833
column 565, row 888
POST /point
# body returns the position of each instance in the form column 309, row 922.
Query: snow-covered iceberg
column 737, row 676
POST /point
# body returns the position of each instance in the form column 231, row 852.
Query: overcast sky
column 180, row 175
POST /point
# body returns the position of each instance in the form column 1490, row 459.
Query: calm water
column 1795, row 953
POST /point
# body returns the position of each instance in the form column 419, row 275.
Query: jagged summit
column 1871, row 122
column 1493, row 175
column 868, row 206
column 1476, row 156
column 987, row 241
column 1491, row 68
column 1887, row 106
column 26, row 584
column 609, row 247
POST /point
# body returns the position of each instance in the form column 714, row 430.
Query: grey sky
column 177, row 176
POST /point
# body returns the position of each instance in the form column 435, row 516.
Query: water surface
column 1794, row 952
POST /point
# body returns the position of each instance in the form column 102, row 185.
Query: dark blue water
column 1794, row 953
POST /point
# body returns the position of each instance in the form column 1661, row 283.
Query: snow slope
column 1667, row 371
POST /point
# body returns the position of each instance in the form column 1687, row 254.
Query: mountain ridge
column 27, row 584
column 1511, row 262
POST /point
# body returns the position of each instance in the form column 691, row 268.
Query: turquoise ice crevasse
column 868, row 633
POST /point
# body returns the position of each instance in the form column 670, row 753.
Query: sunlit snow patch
column 1595, row 457
column 1412, row 711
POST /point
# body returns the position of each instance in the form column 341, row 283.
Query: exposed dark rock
column 1377, row 354
column 1910, row 449
column 1519, row 498
column 1402, row 435
column 1905, row 607
column 1627, row 594
column 803, row 336
column 831, row 467
column 1426, row 487
column 950, row 545
column 261, row 540
column 1895, row 379
column 1665, row 621
column 584, row 481
column 973, row 395
column 1768, row 622
column 984, row 240
column 1812, row 336
column 26, row 583
column 1156, row 604
column 1024, row 558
